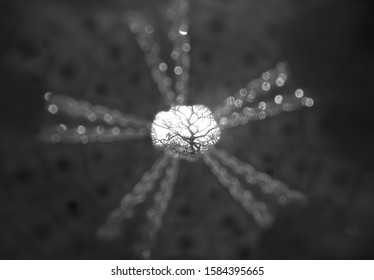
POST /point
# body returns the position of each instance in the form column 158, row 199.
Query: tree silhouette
column 185, row 131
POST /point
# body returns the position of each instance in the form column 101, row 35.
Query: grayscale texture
column 53, row 198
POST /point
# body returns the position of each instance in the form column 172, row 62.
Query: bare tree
column 185, row 131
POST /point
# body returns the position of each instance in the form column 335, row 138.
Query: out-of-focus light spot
column 108, row 118
column 47, row 96
column 235, row 116
column 243, row 92
column 280, row 81
column 183, row 30
column 149, row 28
column 92, row 117
column 262, row 105
column 238, row 103
column 115, row 131
column 134, row 27
column 287, row 107
column 170, row 95
column 61, row 128
column 179, row 85
column 100, row 130
column 251, row 96
column 299, row 93
column 178, row 70
column 175, row 54
column 308, row 102
column 186, row 47
column 170, row 13
column 143, row 131
column 253, row 85
column 81, row 129
column 84, row 139
column 266, row 76
column 223, row 121
column 262, row 115
column 53, row 109
column 248, row 111
column 281, row 66
column 266, row 86
column 230, row 100
column 163, row 67
column 283, row 76
column 278, row 99
column 167, row 82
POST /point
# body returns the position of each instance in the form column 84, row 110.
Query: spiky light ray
column 125, row 210
column 104, row 124
column 219, row 160
column 258, row 210
column 178, row 34
column 261, row 98
column 92, row 113
column 81, row 134
column 156, row 214
column 144, row 36
column 267, row 184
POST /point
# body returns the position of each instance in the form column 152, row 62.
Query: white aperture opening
column 185, row 131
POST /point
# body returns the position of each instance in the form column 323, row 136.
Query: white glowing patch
column 185, row 131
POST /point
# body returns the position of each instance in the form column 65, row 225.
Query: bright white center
column 185, row 131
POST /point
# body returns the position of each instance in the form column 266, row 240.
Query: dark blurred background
column 54, row 197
